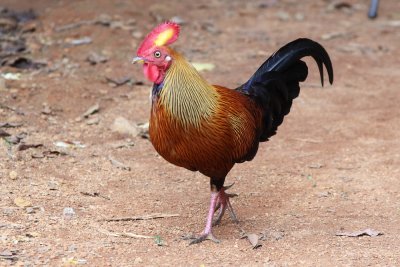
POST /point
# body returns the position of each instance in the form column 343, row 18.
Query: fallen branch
column 143, row 217
column 125, row 234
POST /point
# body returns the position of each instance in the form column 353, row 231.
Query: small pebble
column 178, row 20
column 30, row 210
column 137, row 34
column 13, row 175
column 68, row 212
column 282, row 15
column 71, row 248
column 53, row 185
column 8, row 211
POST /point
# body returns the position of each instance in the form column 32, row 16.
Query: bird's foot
column 203, row 237
column 223, row 203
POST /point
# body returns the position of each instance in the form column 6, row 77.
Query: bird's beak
column 137, row 60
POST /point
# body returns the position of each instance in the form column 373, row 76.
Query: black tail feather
column 276, row 83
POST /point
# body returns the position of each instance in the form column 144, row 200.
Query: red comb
column 164, row 34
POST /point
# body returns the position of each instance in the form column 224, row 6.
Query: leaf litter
column 253, row 239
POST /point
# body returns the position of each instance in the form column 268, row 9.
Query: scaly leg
column 223, row 203
column 207, row 233
column 219, row 201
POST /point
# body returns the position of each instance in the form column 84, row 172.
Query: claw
column 205, row 236
column 228, row 186
column 232, row 212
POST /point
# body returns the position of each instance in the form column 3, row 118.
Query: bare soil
column 334, row 165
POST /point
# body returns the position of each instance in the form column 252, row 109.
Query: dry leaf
column 22, row 203
column 252, row 238
column 93, row 109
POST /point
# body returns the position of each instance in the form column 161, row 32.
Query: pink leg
column 207, row 233
column 219, row 201
column 223, row 204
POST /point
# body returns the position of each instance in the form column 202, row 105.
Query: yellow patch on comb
column 164, row 34
column 164, row 37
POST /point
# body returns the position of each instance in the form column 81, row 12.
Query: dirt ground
column 333, row 167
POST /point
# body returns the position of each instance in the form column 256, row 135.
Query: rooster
column 208, row 128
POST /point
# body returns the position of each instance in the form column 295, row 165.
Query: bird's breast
column 213, row 146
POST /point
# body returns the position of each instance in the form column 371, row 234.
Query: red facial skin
column 156, row 63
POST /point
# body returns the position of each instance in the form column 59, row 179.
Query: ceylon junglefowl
column 208, row 128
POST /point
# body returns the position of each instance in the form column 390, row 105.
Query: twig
column 307, row 140
column 74, row 25
column 125, row 234
column 95, row 194
column 143, row 217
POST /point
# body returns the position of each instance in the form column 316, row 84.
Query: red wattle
column 151, row 72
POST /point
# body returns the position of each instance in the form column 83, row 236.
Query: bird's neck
column 186, row 95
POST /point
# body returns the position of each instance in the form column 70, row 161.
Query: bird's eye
column 157, row 54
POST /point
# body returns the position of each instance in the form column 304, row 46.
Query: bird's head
column 154, row 52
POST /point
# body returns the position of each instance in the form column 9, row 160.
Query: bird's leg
column 219, row 201
column 207, row 233
column 217, row 207
column 223, row 204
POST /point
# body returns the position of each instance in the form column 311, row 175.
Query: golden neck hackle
column 186, row 95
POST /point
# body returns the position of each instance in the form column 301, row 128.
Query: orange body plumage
column 210, row 143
